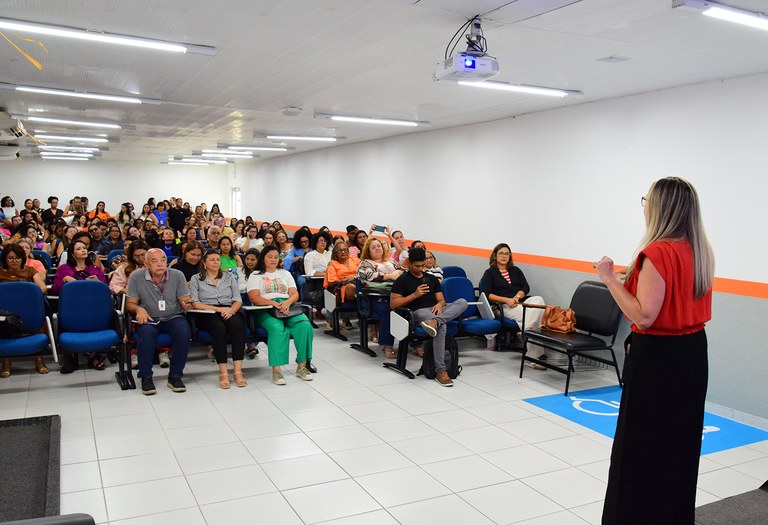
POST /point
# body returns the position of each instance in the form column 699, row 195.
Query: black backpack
column 10, row 325
column 451, row 359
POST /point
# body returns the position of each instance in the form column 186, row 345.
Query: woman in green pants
column 270, row 285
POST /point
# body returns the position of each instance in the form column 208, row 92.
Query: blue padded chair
column 26, row 300
column 471, row 322
column 44, row 257
column 112, row 254
column 87, row 320
column 453, row 271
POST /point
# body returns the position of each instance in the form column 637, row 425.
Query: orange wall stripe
column 722, row 285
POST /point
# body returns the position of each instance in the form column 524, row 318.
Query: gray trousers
column 449, row 313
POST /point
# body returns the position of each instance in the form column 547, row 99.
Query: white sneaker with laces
column 165, row 359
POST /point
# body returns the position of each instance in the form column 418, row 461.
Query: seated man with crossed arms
column 157, row 297
column 421, row 293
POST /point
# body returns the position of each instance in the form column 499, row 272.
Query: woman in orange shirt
column 99, row 212
column 340, row 276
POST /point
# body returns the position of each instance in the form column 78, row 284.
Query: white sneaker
column 329, row 323
column 134, row 361
column 262, row 346
column 165, row 360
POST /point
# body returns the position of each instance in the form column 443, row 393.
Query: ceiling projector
column 10, row 128
column 467, row 67
column 474, row 64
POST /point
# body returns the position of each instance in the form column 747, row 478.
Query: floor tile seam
column 761, row 481
column 522, row 480
column 459, row 494
column 181, row 471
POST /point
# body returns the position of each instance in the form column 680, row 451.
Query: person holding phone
column 421, row 292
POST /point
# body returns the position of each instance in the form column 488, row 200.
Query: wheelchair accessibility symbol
column 601, row 408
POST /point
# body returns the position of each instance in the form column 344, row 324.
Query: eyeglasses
column 642, row 201
column 343, row 250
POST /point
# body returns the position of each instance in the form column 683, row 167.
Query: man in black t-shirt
column 421, row 293
column 177, row 217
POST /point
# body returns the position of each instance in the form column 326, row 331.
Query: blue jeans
column 146, row 339
column 380, row 309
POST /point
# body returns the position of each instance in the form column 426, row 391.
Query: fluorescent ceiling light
column 257, row 148
column 369, row 120
column 722, row 12
column 225, row 155
column 519, row 88
column 73, row 122
column 68, row 148
column 102, row 37
column 301, row 137
column 64, row 154
column 185, row 163
column 73, row 139
column 78, row 94
column 63, row 158
column 200, row 159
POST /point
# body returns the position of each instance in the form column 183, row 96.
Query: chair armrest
column 525, row 308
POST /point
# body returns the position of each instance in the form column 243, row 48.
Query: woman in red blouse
column 667, row 296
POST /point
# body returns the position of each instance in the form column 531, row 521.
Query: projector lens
column 469, row 63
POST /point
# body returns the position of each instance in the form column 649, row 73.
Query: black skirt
column 655, row 456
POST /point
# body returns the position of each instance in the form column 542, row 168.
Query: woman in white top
column 272, row 286
column 315, row 263
column 147, row 215
column 250, row 240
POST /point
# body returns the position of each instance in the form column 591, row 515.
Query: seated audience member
column 300, row 247
column 69, row 234
column 169, row 243
column 505, row 283
column 226, row 231
column 282, row 242
column 125, row 215
column 399, row 251
column 135, row 259
column 96, row 235
column 14, row 268
column 421, row 293
column 189, row 263
column 99, row 213
column 55, row 235
column 177, row 217
column 315, row 263
column 273, row 286
column 89, row 243
column 213, row 237
column 8, row 208
column 340, row 277
column 357, row 242
column 263, row 228
column 29, row 207
column 414, row 244
column 239, row 229
column 431, row 266
column 114, row 241
column 212, row 289
column 79, row 267
column 73, row 210
column 378, row 270
column 351, row 231
column 230, row 261
column 31, row 261
column 146, row 214
column 53, row 213
column 268, row 238
column 157, row 297
column 160, row 214
column 250, row 261
column 250, row 240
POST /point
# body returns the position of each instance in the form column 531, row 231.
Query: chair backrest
column 25, row 300
column 114, row 253
column 453, row 271
column 44, row 257
column 85, row 306
column 460, row 288
column 596, row 311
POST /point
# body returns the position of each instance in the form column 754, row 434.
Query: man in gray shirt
column 157, row 297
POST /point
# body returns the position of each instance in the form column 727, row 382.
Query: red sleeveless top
column 680, row 312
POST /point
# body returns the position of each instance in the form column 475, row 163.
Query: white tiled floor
column 359, row 445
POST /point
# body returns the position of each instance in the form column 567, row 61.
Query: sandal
column 96, row 362
column 418, row 351
column 224, row 381
column 5, row 369
column 40, row 365
column 535, row 366
column 390, row 353
column 374, row 335
column 240, row 380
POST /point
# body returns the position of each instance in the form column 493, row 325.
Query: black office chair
column 596, row 313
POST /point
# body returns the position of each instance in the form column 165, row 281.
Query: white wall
column 563, row 183
column 112, row 182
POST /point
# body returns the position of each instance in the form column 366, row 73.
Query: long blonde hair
column 674, row 213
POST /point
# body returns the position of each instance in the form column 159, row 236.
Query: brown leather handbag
column 558, row 319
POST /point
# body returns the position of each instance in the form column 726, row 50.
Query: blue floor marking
column 598, row 409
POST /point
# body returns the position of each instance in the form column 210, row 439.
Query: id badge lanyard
column 161, row 302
